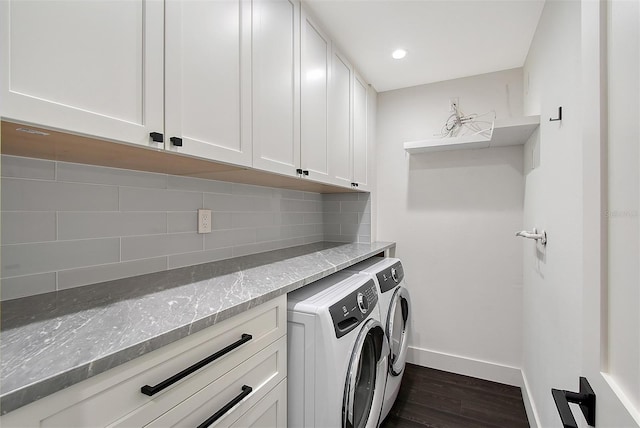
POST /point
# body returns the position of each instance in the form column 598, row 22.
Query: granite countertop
column 51, row 341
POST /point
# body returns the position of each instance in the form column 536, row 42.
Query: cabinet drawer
column 270, row 412
column 261, row 373
column 108, row 397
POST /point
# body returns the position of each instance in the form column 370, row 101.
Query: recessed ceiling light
column 399, row 54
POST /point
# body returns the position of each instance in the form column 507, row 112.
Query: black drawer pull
column 246, row 390
column 151, row 390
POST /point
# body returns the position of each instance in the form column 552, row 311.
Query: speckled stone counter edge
column 13, row 399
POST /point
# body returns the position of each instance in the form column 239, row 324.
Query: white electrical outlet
column 204, row 221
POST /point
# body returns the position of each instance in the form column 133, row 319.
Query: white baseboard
column 465, row 366
column 529, row 405
column 477, row 368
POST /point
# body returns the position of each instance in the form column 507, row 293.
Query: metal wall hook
column 542, row 236
column 559, row 115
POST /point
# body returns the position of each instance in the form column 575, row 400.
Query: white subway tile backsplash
column 229, row 203
column 19, row 227
column 364, row 239
column 229, row 238
column 243, row 220
column 273, row 233
column 313, row 196
column 25, row 259
column 287, row 219
column 68, row 225
column 221, row 220
column 79, row 225
column 289, row 194
column 364, row 218
column 340, row 238
column 312, row 218
column 29, row 285
column 19, row 167
column 331, row 229
column 340, row 218
column 353, row 206
column 197, row 184
column 243, row 250
column 331, row 206
column 179, row 221
column 35, row 195
column 198, row 257
column 349, row 229
column 340, row 197
column 94, row 274
column 135, row 199
column 144, row 247
column 249, row 190
column 302, row 206
column 101, row 175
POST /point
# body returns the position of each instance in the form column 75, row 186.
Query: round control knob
column 394, row 274
column 363, row 303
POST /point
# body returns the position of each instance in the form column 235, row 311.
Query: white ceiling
column 445, row 39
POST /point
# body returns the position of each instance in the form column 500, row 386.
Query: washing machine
column 337, row 354
column 395, row 310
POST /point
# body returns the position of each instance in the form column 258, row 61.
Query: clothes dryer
column 337, row 354
column 395, row 310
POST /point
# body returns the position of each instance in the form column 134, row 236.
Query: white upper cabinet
column 314, row 94
column 341, row 163
column 276, row 86
column 208, row 79
column 92, row 67
column 360, row 133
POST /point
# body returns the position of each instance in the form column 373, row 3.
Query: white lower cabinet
column 255, row 345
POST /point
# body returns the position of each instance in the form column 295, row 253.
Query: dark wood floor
column 433, row 398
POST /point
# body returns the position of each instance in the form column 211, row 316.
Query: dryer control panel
column 349, row 312
column 390, row 277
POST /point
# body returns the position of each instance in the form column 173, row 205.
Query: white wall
column 552, row 312
column 453, row 216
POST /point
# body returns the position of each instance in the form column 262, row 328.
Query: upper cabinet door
column 91, row 67
column 208, row 79
column 360, row 132
column 314, row 99
column 276, row 85
column 340, row 120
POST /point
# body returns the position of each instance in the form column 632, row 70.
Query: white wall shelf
column 507, row 132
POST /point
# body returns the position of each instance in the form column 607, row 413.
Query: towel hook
column 559, row 115
column 542, row 236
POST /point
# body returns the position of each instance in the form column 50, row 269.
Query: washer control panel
column 351, row 310
column 390, row 277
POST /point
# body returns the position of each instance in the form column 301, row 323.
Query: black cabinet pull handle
column 156, row 137
column 246, row 390
column 586, row 398
column 305, row 172
column 176, row 141
column 151, row 390
column 299, row 171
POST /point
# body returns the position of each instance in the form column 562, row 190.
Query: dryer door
column 366, row 378
column 398, row 330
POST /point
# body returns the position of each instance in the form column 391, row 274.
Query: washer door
column 366, row 378
column 397, row 330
